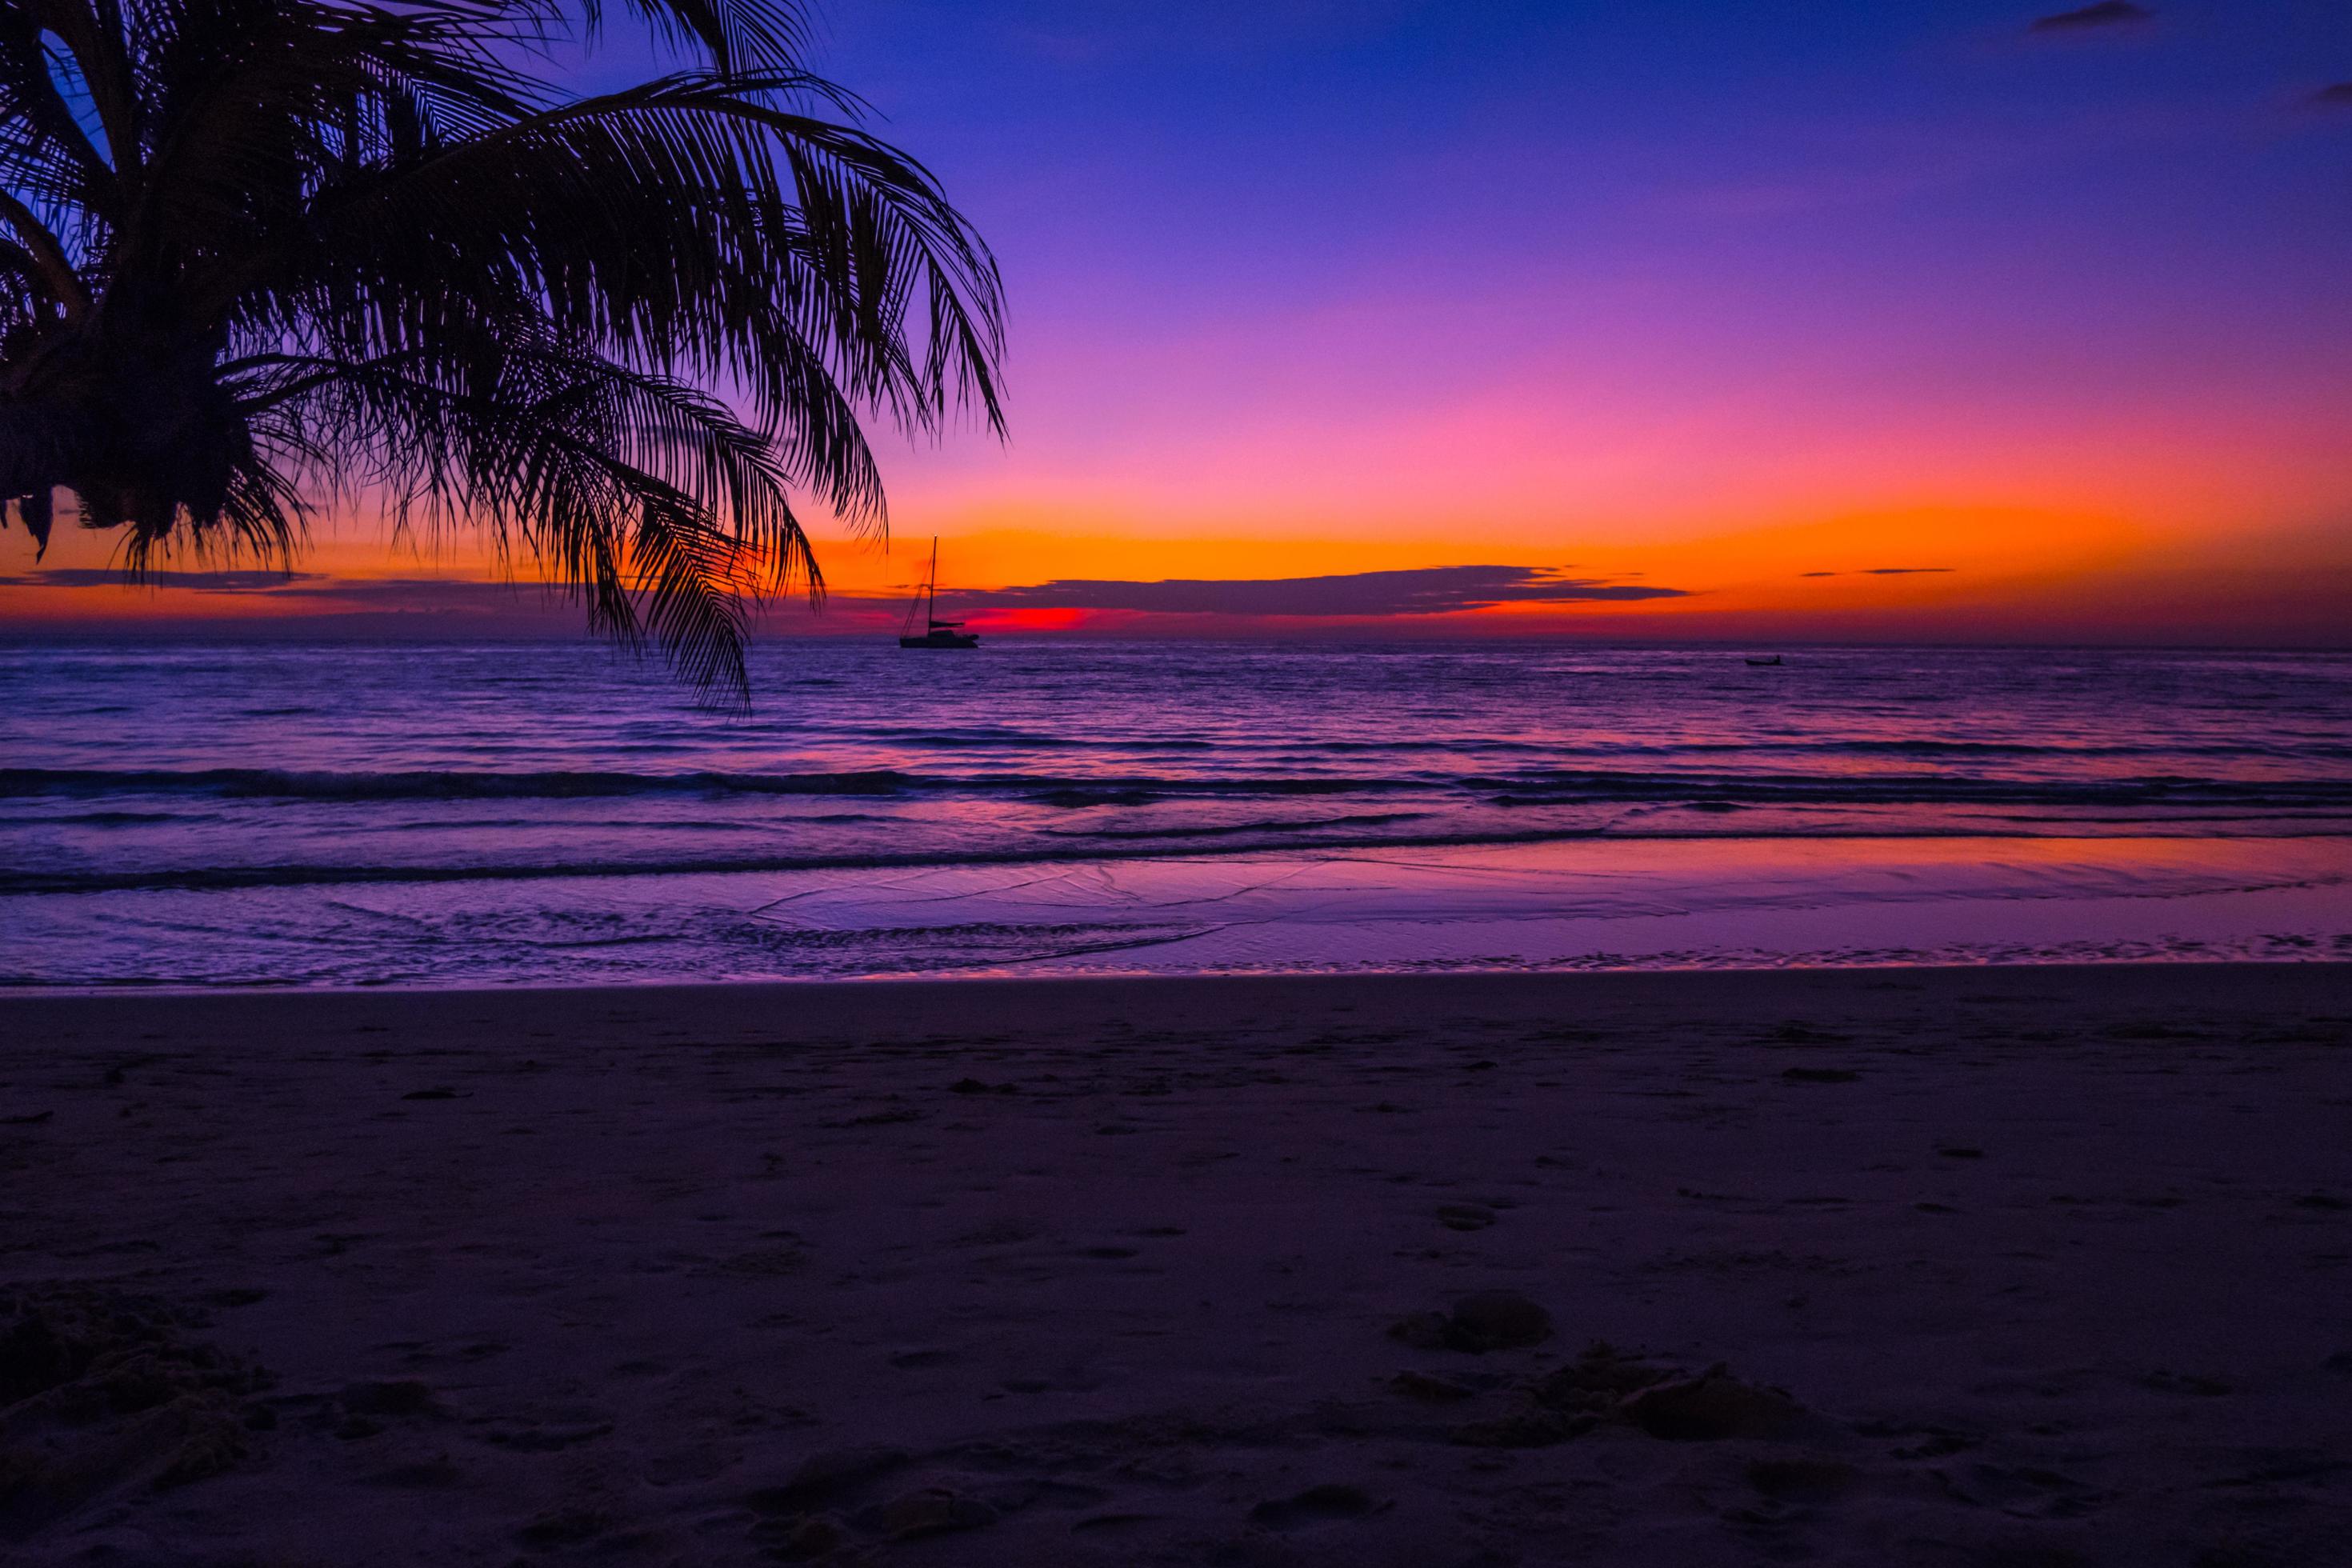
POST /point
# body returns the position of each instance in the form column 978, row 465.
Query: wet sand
column 2000, row 1265
column 1582, row 904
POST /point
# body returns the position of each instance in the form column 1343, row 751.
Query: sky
column 1971, row 321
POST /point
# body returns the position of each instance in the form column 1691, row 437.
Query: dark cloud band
column 199, row 582
column 1428, row 591
column 2107, row 13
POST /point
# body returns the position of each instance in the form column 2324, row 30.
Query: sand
column 1999, row 1265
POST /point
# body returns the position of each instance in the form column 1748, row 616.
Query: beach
column 2026, row 1265
column 1348, row 786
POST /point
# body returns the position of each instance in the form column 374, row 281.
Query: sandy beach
column 1992, row 1266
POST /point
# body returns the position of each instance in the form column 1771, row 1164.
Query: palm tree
column 256, row 256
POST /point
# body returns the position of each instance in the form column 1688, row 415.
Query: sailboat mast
column 931, row 586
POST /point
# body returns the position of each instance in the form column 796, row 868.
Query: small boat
column 935, row 632
column 1762, row 663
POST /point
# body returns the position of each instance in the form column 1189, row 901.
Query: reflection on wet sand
column 1592, row 904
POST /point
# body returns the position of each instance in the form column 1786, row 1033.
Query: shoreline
column 1068, row 980
column 1593, row 904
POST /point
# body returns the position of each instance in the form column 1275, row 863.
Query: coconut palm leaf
column 256, row 256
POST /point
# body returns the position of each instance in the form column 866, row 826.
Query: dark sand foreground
column 2052, row 1267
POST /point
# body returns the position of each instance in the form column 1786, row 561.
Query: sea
column 189, row 814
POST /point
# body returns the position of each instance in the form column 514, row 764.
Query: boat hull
column 943, row 639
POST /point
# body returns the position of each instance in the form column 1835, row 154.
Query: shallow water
column 538, row 814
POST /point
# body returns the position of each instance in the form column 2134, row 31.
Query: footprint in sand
column 565, row 1527
column 1800, row 1479
column 1710, row 1407
column 933, row 1511
column 1489, row 1320
column 1327, row 1504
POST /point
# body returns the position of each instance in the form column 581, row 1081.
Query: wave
column 1522, row 788
column 1922, row 747
column 1226, row 830
column 1906, row 789
column 435, row 783
column 226, row 879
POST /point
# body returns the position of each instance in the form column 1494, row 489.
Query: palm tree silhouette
column 260, row 255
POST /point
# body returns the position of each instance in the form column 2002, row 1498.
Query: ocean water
column 535, row 814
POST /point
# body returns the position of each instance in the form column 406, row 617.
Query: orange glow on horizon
column 1907, row 568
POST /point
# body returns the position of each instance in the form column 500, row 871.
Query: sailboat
column 935, row 632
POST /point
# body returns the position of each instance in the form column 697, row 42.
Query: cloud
column 364, row 593
column 2337, row 97
column 1426, row 591
column 384, row 603
column 198, row 581
column 274, row 604
column 315, row 598
column 1881, row 572
column 2105, row 13
column 440, row 592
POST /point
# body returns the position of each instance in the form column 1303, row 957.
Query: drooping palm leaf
column 259, row 253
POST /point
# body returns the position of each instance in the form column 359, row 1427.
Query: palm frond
column 255, row 253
